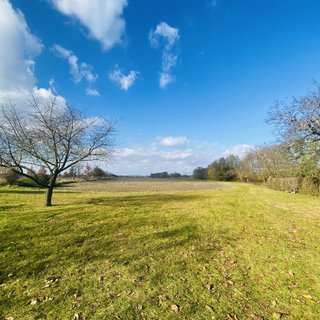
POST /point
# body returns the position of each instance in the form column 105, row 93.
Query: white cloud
column 103, row 18
column 125, row 81
column 146, row 152
column 174, row 141
column 92, row 92
column 239, row 150
column 165, row 79
column 170, row 36
column 19, row 47
column 177, row 155
column 78, row 70
column 144, row 160
column 53, row 85
column 44, row 95
column 20, row 98
column 127, row 152
column 154, row 157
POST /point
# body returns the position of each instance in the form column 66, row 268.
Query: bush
column 97, row 172
column 200, row 173
column 3, row 181
column 26, row 182
column 10, row 177
column 159, row 175
column 283, row 184
column 303, row 185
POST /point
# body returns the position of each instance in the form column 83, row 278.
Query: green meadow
column 203, row 250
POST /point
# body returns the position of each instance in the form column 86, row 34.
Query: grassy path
column 240, row 253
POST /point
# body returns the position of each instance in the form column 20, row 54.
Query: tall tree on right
column 297, row 124
column 297, row 119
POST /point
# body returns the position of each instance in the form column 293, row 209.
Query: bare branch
column 54, row 135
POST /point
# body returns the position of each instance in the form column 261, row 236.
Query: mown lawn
column 239, row 253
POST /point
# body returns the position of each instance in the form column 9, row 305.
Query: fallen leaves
column 139, row 307
column 291, row 273
column 232, row 317
column 209, row 309
column 161, row 299
column 209, row 286
column 309, row 298
column 175, row 308
column 280, row 314
column 76, row 316
column 276, row 315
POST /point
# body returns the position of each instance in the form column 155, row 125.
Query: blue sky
column 187, row 81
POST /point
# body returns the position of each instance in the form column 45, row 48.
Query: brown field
column 145, row 185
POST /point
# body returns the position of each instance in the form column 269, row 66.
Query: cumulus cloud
column 43, row 95
column 21, row 98
column 174, row 141
column 156, row 157
column 19, row 47
column 169, row 37
column 177, row 155
column 126, row 153
column 124, row 81
column 103, row 18
column 144, row 160
column 240, row 150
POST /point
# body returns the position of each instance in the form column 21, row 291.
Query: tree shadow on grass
column 57, row 190
column 11, row 207
column 79, row 249
column 140, row 200
column 79, row 234
column 22, row 191
column 86, row 237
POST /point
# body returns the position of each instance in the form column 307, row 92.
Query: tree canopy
column 52, row 135
column 299, row 118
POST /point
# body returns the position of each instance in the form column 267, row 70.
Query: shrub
column 3, row 181
column 26, row 182
column 10, row 177
column 97, row 172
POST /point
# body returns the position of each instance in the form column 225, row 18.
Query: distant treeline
column 167, row 175
column 77, row 172
column 292, row 164
column 280, row 166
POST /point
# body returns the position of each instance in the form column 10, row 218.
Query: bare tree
column 267, row 162
column 299, row 118
column 53, row 135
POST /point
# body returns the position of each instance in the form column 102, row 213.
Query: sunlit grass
column 240, row 253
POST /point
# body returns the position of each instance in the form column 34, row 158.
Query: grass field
column 224, row 252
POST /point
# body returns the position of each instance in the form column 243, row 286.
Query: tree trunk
column 48, row 197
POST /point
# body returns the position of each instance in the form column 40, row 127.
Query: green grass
column 244, row 252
